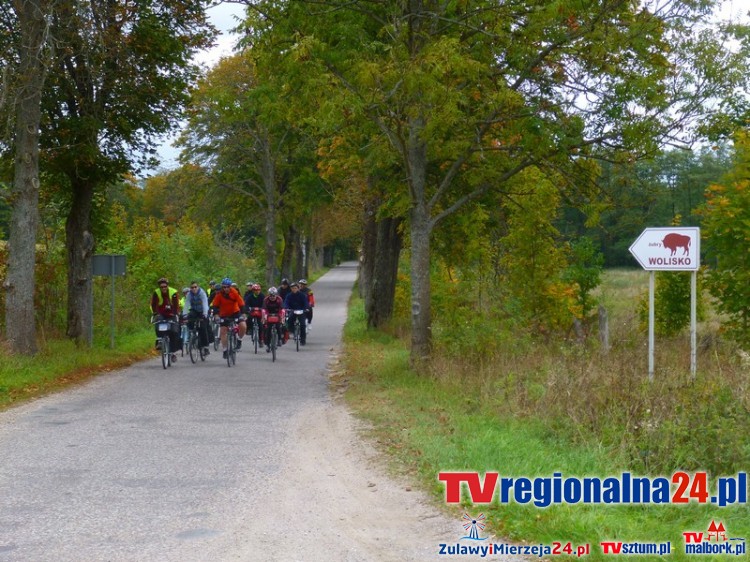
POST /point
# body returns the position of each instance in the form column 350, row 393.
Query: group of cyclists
column 224, row 305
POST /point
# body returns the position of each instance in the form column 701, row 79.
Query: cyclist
column 197, row 311
column 165, row 303
column 213, row 288
column 284, row 289
column 228, row 304
column 185, row 291
column 273, row 305
column 303, row 288
column 254, row 300
column 296, row 301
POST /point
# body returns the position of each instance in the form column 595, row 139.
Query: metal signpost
column 669, row 249
column 109, row 265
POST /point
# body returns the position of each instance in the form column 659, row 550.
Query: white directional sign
column 668, row 249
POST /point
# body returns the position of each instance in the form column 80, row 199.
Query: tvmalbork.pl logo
column 714, row 540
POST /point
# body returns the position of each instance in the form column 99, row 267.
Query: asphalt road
column 147, row 464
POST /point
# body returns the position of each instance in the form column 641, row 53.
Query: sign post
column 109, row 266
column 669, row 249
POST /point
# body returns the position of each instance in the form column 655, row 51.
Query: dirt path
column 335, row 501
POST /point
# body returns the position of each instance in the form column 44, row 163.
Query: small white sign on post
column 669, row 249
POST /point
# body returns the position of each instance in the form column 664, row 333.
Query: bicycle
column 216, row 327
column 184, row 335
column 163, row 326
column 232, row 335
column 297, row 328
column 255, row 316
column 195, row 349
column 273, row 332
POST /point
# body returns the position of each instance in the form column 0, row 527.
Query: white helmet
column 273, row 292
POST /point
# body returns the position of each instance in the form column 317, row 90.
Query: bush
column 585, row 272
column 726, row 230
column 671, row 303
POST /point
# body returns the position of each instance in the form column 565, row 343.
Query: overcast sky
column 224, row 17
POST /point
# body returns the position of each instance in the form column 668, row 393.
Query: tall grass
column 581, row 392
column 497, row 398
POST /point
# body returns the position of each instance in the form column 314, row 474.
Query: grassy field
column 60, row 364
column 540, row 409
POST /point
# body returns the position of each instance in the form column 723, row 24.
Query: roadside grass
column 469, row 416
column 59, row 364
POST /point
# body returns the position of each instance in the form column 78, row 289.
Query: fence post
column 604, row 329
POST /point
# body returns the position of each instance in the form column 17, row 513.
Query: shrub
column 671, row 303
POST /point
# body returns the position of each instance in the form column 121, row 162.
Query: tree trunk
column 308, row 256
column 421, row 231
column 288, row 256
column 20, row 321
column 299, row 257
column 380, row 298
column 268, row 172
column 80, row 248
column 369, row 248
column 421, row 312
column 272, row 271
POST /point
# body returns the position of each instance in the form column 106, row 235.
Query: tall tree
column 469, row 94
column 121, row 77
column 234, row 132
column 33, row 29
column 726, row 229
column 241, row 131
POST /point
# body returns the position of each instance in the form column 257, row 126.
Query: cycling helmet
column 234, row 285
column 272, row 292
column 285, row 281
column 249, row 284
column 162, row 280
column 294, row 285
column 185, row 290
column 302, row 281
column 226, row 282
column 211, row 283
column 256, row 287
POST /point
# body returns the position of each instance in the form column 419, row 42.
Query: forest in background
column 518, row 148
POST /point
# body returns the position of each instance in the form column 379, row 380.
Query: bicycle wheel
column 193, row 347
column 256, row 335
column 229, row 348
column 274, row 343
column 217, row 336
column 165, row 357
column 200, row 348
column 296, row 333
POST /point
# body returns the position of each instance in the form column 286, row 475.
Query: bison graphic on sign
column 674, row 241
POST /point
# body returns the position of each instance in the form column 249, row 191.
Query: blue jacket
column 296, row 301
column 197, row 302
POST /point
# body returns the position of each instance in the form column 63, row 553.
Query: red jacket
column 228, row 305
column 272, row 305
